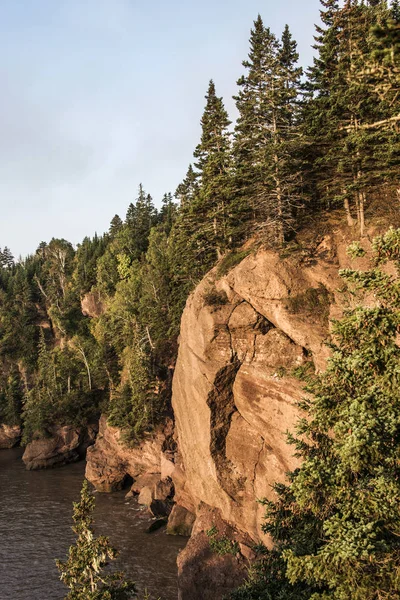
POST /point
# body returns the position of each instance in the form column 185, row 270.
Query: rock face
column 245, row 337
column 65, row 445
column 234, row 390
column 10, row 436
column 110, row 465
column 92, row 305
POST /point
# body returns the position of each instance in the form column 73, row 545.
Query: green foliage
column 133, row 406
column 266, row 140
column 63, row 393
column 84, row 572
column 304, row 372
column 221, row 545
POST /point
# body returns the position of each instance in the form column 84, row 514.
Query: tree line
column 303, row 143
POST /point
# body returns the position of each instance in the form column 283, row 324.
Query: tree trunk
column 350, row 220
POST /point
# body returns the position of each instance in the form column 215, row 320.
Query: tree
column 350, row 117
column 213, row 154
column 336, row 526
column 187, row 190
column 83, row 571
column 115, row 226
column 6, row 258
column 266, row 136
column 168, row 212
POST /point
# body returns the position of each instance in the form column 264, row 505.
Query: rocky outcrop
column 111, row 465
column 92, row 304
column 63, row 446
column 205, row 573
column 245, row 339
column 10, row 436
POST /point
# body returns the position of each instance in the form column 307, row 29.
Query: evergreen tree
column 83, row 571
column 168, row 212
column 395, row 11
column 213, row 154
column 187, row 190
column 115, row 226
column 140, row 218
column 266, row 131
column 347, row 115
column 6, row 258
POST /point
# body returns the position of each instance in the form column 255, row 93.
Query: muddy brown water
column 35, row 529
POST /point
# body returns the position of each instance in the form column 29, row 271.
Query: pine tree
column 354, row 152
column 6, row 258
column 395, row 11
column 83, row 571
column 140, row 218
column 320, row 111
column 168, row 212
column 115, row 226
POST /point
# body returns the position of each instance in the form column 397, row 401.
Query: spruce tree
column 83, row 571
column 187, row 190
column 267, row 174
column 395, row 11
column 213, row 154
column 115, row 226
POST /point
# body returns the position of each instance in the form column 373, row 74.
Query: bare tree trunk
column 280, row 233
column 80, row 350
column 350, row 220
column 362, row 217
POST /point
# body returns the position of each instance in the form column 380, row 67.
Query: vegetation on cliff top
column 298, row 148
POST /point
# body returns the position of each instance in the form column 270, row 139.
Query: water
column 35, row 528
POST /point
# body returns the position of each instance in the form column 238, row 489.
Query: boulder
column 63, row 446
column 10, row 436
column 180, row 521
column 110, row 463
column 203, row 574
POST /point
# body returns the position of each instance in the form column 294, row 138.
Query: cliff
column 246, row 338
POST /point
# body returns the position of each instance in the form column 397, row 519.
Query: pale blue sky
column 100, row 95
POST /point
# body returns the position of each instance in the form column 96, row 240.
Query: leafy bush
column 221, row 545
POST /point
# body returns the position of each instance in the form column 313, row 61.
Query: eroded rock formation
column 63, row 446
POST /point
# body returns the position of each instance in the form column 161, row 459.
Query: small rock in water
column 156, row 525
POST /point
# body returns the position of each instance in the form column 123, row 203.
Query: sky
column 98, row 96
